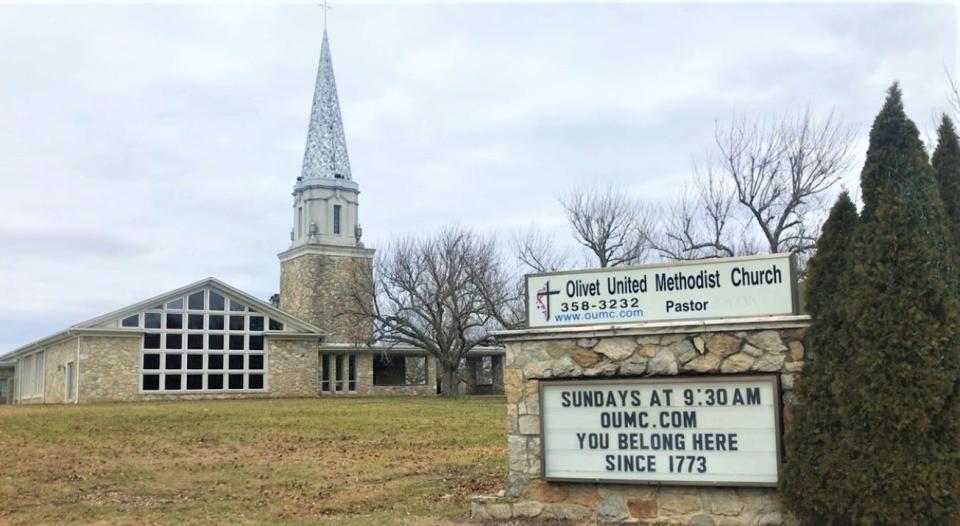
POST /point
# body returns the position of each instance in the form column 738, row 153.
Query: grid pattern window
column 204, row 341
column 336, row 219
column 31, row 371
column 338, row 373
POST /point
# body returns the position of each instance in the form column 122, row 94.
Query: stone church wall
column 55, row 373
column 741, row 348
column 109, row 368
column 365, row 380
column 110, row 371
column 293, row 368
column 315, row 288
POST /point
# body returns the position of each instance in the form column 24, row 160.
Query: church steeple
column 326, row 151
column 325, row 197
column 325, row 254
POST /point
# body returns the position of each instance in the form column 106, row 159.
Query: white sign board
column 719, row 430
column 716, row 288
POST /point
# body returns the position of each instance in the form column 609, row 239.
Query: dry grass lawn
column 327, row 461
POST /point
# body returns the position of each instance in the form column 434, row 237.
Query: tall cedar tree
column 807, row 478
column 893, row 458
column 946, row 164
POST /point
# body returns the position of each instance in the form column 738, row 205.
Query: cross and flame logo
column 543, row 300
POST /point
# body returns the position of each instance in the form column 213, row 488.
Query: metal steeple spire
column 326, row 152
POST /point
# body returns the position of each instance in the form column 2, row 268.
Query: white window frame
column 70, row 379
column 328, row 370
column 36, row 374
column 205, row 371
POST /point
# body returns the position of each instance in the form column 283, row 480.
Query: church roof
column 107, row 324
column 326, row 151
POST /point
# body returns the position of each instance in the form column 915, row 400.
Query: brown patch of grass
column 326, row 461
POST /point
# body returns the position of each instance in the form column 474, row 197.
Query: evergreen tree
column 890, row 443
column 816, row 422
column 946, row 164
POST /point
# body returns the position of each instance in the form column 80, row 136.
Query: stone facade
column 292, row 367
column 316, row 288
column 55, row 374
column 109, row 368
column 471, row 375
column 109, row 371
column 365, row 380
column 691, row 350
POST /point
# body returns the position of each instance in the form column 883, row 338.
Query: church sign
column 704, row 430
column 716, row 288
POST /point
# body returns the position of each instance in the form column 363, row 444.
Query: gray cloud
column 144, row 147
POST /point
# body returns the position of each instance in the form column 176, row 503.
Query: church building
column 211, row 340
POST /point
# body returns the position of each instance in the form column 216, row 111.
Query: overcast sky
column 146, row 147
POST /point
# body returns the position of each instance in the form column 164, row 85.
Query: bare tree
column 703, row 223
column 537, row 251
column 612, row 226
column 781, row 170
column 434, row 293
column 954, row 91
column 762, row 189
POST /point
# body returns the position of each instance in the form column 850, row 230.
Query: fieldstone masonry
column 365, row 380
column 110, row 371
column 316, row 289
column 730, row 348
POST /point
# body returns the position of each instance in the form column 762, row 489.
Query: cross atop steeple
column 326, row 151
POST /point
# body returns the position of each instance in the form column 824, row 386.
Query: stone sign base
column 663, row 506
column 768, row 345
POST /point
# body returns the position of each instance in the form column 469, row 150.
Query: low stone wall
column 672, row 351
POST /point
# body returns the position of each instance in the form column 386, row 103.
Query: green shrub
column 946, row 165
column 882, row 408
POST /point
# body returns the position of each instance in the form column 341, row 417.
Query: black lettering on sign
column 752, row 396
column 631, row 463
column 715, row 442
column 594, row 440
column 678, row 419
column 654, row 398
column 616, row 419
column 652, row 441
column 687, row 464
column 660, row 397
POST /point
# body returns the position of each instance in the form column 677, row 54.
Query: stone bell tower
column 326, row 256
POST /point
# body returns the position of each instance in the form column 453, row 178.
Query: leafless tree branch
column 954, row 90
column 612, row 226
column 437, row 294
column 537, row 251
column 781, row 169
